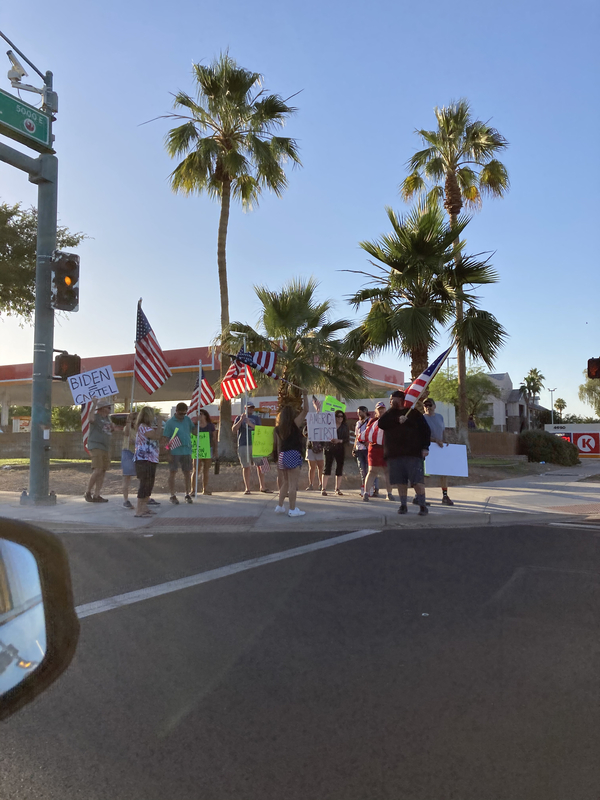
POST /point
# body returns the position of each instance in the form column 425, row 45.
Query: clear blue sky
column 369, row 74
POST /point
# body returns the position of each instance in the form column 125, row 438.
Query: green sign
column 331, row 404
column 24, row 123
column 200, row 445
column 262, row 441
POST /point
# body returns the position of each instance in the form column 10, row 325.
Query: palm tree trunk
column 226, row 448
column 418, row 361
column 461, row 361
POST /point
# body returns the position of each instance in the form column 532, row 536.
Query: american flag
column 149, row 366
column 418, row 386
column 264, row 465
column 235, row 382
column 86, row 410
column 203, row 397
column 372, row 434
column 174, row 442
column 262, row 361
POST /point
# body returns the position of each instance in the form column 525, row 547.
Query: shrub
column 544, row 446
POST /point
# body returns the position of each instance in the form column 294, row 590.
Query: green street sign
column 24, row 123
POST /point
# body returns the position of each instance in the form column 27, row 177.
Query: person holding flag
column 406, row 440
column 177, row 432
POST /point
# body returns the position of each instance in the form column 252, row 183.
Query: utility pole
column 33, row 127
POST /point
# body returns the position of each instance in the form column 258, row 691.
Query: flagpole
column 133, row 373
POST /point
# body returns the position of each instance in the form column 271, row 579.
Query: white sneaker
column 279, row 510
column 296, row 513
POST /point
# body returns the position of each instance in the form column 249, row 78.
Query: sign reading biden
column 95, row 383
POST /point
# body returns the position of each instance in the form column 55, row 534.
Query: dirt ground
column 71, row 479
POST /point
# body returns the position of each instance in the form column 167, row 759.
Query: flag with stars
column 149, row 365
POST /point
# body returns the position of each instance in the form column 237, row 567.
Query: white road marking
column 580, row 526
column 119, row 600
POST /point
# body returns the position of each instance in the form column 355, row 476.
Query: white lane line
column 119, row 600
column 580, row 526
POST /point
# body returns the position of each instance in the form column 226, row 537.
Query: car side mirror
column 39, row 628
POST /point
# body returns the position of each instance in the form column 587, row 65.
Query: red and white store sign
column 588, row 444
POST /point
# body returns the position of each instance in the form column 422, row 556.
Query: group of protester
column 399, row 458
column 396, row 457
column 142, row 436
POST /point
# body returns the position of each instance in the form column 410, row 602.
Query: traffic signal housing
column 65, row 281
column 66, row 365
column 594, row 368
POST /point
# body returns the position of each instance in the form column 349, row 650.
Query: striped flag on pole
column 203, row 395
column 262, row 361
column 149, row 365
column 234, row 382
column 86, row 411
column 418, row 386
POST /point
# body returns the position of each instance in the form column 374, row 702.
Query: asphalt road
column 402, row 665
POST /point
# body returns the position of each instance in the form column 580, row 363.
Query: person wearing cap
column 101, row 430
column 244, row 425
column 375, row 457
column 406, row 440
column 438, row 435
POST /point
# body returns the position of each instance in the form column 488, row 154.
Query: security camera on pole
column 32, row 127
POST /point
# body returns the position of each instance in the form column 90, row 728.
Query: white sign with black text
column 95, row 383
column 321, row 426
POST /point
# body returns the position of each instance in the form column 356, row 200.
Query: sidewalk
column 536, row 498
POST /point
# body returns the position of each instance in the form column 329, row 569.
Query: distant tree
column 444, row 387
column 589, row 393
column 576, row 419
column 459, row 166
column 299, row 328
column 18, row 244
column 560, row 406
column 229, row 151
column 66, row 418
column 530, row 387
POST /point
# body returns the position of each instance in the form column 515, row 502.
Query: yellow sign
column 262, row 441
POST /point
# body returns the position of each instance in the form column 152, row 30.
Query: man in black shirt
column 406, row 439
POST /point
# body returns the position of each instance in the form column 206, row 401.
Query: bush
column 544, row 446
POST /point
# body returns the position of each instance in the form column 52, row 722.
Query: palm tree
column 461, row 154
column 530, row 387
column 560, row 406
column 418, row 286
column 295, row 325
column 230, row 151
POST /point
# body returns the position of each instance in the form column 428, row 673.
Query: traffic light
column 594, row 368
column 65, row 281
column 66, row 365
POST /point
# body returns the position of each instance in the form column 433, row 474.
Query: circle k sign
column 587, row 443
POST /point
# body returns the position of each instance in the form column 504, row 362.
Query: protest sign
column 451, row 459
column 95, row 383
column 321, row 426
column 331, row 404
column 262, row 441
column 200, row 445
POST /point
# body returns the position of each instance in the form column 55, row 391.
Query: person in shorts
column 179, row 427
column 406, row 439
column 438, row 435
column 99, row 443
column 243, row 425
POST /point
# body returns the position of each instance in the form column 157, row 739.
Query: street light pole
column 552, row 403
